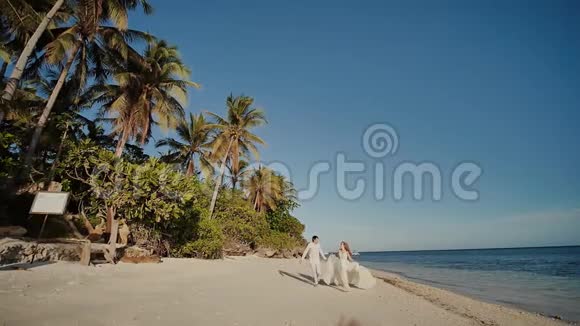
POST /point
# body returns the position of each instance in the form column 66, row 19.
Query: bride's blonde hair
column 346, row 247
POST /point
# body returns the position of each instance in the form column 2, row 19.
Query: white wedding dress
column 340, row 271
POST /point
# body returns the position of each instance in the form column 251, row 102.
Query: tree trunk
column 118, row 153
column 27, row 51
column 48, row 108
column 109, row 222
column 220, row 179
column 56, row 159
column 190, row 167
column 121, row 143
column 111, row 251
column 3, row 69
column 2, row 72
column 235, row 159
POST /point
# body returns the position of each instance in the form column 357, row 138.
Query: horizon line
column 463, row 249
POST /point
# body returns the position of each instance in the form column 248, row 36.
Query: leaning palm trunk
column 110, row 210
column 220, row 179
column 190, row 167
column 2, row 72
column 3, row 69
column 56, row 159
column 118, row 153
column 121, row 143
column 48, row 108
column 256, row 202
column 26, row 52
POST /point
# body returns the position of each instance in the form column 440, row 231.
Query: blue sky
column 493, row 82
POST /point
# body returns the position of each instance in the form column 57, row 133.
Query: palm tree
column 195, row 136
column 149, row 90
column 288, row 192
column 234, row 137
column 115, row 10
column 67, row 108
column 24, row 104
column 240, row 174
column 5, row 57
column 18, row 70
column 264, row 189
column 90, row 39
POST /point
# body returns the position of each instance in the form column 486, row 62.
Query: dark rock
column 232, row 248
column 12, row 231
column 139, row 255
column 20, row 251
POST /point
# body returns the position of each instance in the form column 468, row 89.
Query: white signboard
column 51, row 203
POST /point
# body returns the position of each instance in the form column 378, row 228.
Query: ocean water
column 544, row 280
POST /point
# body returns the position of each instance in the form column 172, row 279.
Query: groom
column 314, row 252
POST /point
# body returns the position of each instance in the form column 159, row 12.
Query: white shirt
column 314, row 252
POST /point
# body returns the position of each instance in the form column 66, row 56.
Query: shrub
column 209, row 243
column 167, row 211
column 151, row 193
column 180, row 231
column 9, row 145
column 240, row 222
column 280, row 241
column 282, row 221
column 149, row 238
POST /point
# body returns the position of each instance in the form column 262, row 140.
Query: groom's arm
column 305, row 251
column 322, row 253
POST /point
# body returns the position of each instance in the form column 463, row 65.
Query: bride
column 345, row 271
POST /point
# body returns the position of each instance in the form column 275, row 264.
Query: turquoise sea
column 544, row 280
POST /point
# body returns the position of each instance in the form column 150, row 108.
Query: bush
column 180, row 231
column 149, row 193
column 167, row 211
column 209, row 243
column 149, row 238
column 282, row 221
column 280, row 241
column 240, row 222
column 9, row 145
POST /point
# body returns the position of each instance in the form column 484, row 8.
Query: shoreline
column 233, row 291
column 443, row 287
column 469, row 249
column 448, row 300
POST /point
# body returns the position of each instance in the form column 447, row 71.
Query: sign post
column 49, row 203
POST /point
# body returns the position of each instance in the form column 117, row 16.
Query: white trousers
column 315, row 265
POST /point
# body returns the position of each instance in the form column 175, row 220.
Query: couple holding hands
column 341, row 270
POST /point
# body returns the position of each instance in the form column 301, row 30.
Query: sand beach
column 232, row 291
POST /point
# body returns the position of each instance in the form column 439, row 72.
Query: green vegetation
column 70, row 60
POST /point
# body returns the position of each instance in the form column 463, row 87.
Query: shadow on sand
column 24, row 266
column 307, row 279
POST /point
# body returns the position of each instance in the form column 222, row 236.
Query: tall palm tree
column 67, row 108
column 5, row 57
column 87, row 41
column 18, row 70
column 25, row 103
column 234, row 137
column 264, row 189
column 114, row 10
column 148, row 90
column 288, row 192
column 238, row 176
column 195, row 136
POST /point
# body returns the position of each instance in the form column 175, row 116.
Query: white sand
column 233, row 291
